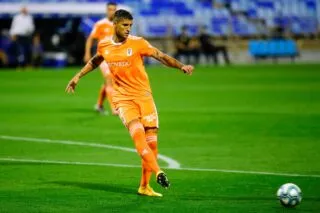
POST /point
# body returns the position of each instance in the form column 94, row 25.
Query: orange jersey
column 125, row 61
column 102, row 29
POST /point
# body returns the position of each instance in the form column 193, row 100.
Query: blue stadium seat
column 182, row 9
column 158, row 30
column 193, row 29
column 272, row 48
column 304, row 25
column 282, row 21
column 206, row 4
column 240, row 26
column 184, row 12
column 161, row 4
column 153, row 12
column 220, row 26
column 265, row 4
column 252, row 13
column 311, row 7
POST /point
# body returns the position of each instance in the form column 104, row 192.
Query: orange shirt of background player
column 125, row 61
column 102, row 29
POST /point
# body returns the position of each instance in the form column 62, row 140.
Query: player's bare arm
column 93, row 63
column 171, row 62
column 88, row 47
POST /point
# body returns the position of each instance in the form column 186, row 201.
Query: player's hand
column 188, row 69
column 86, row 58
column 72, row 84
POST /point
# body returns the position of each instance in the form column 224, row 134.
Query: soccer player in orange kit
column 103, row 29
column 132, row 93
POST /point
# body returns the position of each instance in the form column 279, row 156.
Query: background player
column 132, row 93
column 101, row 30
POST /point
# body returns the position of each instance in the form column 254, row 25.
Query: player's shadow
column 96, row 186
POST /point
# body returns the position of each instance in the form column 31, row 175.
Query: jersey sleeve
column 146, row 48
column 99, row 47
column 95, row 32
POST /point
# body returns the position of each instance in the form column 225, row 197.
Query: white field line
column 10, row 159
column 129, row 166
column 171, row 162
column 67, row 162
column 248, row 172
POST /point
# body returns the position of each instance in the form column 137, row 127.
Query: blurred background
column 196, row 31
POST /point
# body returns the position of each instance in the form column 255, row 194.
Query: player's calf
column 138, row 135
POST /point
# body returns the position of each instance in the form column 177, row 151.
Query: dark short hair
column 122, row 14
column 111, row 3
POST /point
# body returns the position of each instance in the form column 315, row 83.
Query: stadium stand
column 235, row 16
column 231, row 17
column 158, row 19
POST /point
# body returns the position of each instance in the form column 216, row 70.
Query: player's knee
column 135, row 126
column 152, row 138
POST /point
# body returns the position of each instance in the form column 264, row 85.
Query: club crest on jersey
column 129, row 52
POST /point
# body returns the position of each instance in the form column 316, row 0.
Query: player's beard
column 121, row 37
column 124, row 35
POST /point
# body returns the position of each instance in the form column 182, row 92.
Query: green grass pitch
column 260, row 118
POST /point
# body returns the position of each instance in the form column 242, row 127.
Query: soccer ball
column 289, row 195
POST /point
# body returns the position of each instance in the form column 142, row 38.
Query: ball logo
column 129, row 52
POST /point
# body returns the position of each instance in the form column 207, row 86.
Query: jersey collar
column 119, row 43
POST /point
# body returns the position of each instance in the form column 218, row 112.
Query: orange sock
column 102, row 96
column 151, row 139
column 138, row 134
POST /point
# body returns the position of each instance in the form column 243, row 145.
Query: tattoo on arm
column 94, row 62
column 167, row 60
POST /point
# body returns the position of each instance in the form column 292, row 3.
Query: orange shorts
column 144, row 110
